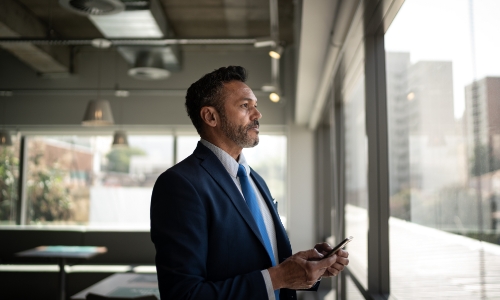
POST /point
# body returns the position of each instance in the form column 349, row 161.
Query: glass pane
column 269, row 160
column 185, row 146
column 356, row 179
column 79, row 180
column 9, row 176
column 352, row 291
column 443, row 94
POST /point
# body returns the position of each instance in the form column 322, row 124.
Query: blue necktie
column 253, row 205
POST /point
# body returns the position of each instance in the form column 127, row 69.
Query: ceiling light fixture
column 410, row 96
column 149, row 66
column 276, row 52
column 98, row 113
column 268, row 88
column 264, row 42
column 5, row 139
column 120, row 139
column 274, row 97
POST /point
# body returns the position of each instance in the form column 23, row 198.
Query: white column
column 300, row 221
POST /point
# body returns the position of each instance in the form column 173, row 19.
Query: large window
column 356, row 179
column 185, row 146
column 83, row 180
column 269, row 160
column 443, row 100
column 9, row 177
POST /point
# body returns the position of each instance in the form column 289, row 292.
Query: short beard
column 239, row 134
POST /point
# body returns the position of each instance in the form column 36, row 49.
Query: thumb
column 312, row 254
column 327, row 262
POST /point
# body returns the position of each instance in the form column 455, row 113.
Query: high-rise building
column 426, row 147
column 397, row 109
column 482, row 124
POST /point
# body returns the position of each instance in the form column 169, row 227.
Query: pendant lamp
column 120, row 139
column 5, row 139
column 98, row 113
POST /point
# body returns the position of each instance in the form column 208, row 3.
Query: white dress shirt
column 231, row 165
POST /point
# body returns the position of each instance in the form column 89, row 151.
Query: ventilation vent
column 149, row 66
column 93, row 7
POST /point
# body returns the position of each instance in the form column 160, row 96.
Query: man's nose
column 256, row 114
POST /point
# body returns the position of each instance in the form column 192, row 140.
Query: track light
column 264, row 42
column 274, row 97
column 276, row 52
column 268, row 88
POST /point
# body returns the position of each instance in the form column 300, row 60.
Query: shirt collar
column 227, row 160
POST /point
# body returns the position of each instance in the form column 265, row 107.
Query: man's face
column 240, row 117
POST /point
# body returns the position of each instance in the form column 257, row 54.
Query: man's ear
column 209, row 115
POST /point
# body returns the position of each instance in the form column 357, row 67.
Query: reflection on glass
column 356, row 176
column 352, row 291
column 83, row 180
column 443, row 100
column 9, row 176
column 269, row 160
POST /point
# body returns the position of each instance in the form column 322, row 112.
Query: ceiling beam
column 316, row 25
column 17, row 21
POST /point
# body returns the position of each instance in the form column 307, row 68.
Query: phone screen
column 338, row 247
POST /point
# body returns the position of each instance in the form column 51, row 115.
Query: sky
column 440, row 30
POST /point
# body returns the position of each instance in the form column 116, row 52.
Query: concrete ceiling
column 189, row 19
column 217, row 19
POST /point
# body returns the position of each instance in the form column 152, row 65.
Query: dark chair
column 92, row 296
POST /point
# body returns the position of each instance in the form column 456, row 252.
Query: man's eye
column 245, row 105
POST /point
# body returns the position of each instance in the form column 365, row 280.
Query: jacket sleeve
column 179, row 231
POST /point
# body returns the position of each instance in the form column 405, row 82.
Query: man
column 216, row 231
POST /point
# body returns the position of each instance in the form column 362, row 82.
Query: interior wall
column 37, row 101
column 301, row 215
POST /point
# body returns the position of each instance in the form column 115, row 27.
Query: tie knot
column 242, row 172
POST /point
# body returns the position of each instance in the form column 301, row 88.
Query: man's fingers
column 342, row 260
column 343, row 253
column 326, row 262
column 323, row 248
column 338, row 266
column 312, row 254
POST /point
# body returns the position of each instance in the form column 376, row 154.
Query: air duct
column 139, row 19
column 93, row 7
column 136, row 21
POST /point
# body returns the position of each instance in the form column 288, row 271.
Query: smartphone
column 338, row 247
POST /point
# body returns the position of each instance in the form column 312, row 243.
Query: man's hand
column 301, row 270
column 341, row 259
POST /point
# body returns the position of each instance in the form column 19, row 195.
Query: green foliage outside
column 119, row 158
column 9, row 164
column 49, row 199
column 401, row 205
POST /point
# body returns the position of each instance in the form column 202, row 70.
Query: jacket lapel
column 214, row 167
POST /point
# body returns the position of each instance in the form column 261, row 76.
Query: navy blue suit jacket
column 207, row 243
